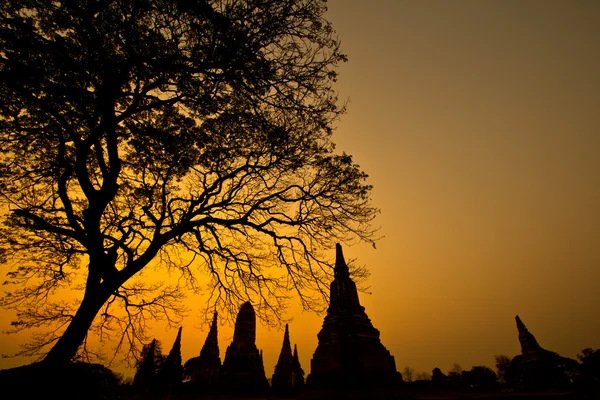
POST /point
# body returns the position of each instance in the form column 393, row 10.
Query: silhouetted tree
column 148, row 366
column 480, row 378
column 423, row 376
column 502, row 365
column 408, row 374
column 193, row 136
column 455, row 372
column 590, row 363
column 589, row 377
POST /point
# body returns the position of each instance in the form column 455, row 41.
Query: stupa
column 204, row 369
column 288, row 375
column 349, row 353
column 171, row 371
column 243, row 368
column 536, row 367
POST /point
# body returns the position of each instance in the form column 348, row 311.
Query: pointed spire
column 171, row 370
column 213, row 325
column 299, row 372
column 342, row 290
column 286, row 348
column 288, row 373
column 286, row 336
column 211, row 344
column 175, row 353
column 341, row 269
column 520, row 325
column 526, row 339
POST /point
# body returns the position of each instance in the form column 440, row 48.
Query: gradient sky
column 479, row 125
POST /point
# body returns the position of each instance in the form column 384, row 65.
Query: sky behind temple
column 478, row 123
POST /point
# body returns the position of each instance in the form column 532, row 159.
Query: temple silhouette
column 349, row 352
column 204, row 370
column 349, row 356
column 288, row 375
column 171, row 371
column 536, row 367
column 243, row 368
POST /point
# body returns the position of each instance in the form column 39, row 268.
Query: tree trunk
column 65, row 348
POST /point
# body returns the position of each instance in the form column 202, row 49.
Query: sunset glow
column 478, row 123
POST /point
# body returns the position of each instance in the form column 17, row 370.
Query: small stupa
column 171, row 370
column 288, row 375
column 204, row 369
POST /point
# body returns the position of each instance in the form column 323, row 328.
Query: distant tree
column 590, row 362
column 423, row 376
column 408, row 374
column 455, row 372
column 148, row 366
column 193, row 137
column 502, row 365
column 480, row 378
column 438, row 376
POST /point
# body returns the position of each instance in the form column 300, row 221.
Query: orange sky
column 479, row 125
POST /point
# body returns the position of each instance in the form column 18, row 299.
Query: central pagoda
column 243, row 368
column 349, row 351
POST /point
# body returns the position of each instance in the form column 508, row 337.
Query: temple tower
column 530, row 348
column 204, row 370
column 288, row 374
column 349, row 352
column 298, row 367
column 243, row 368
column 171, row 370
column 536, row 367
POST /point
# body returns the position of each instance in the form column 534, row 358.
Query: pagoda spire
column 211, row 345
column 343, row 293
column 298, row 368
column 286, row 348
column 526, row 338
column 341, row 269
column 204, row 369
column 520, row 324
column 175, row 353
column 171, row 370
column 288, row 374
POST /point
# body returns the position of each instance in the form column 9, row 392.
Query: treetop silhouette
column 190, row 136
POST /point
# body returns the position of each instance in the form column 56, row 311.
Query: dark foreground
column 95, row 382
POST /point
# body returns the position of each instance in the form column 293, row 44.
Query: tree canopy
column 193, row 137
